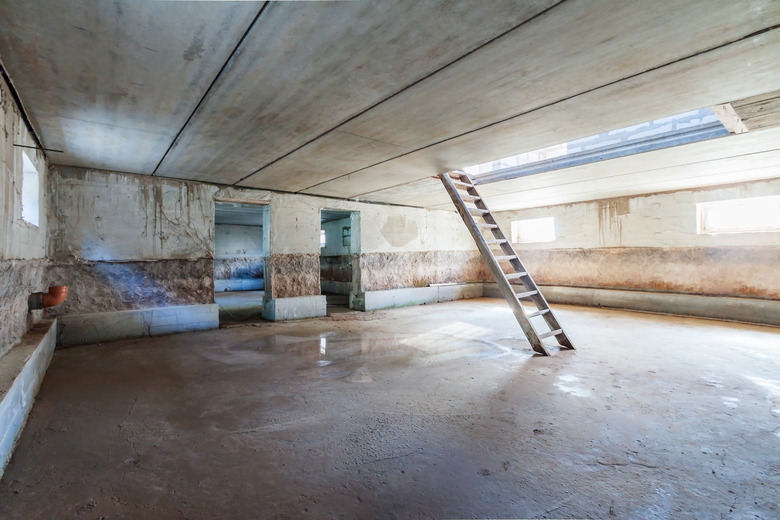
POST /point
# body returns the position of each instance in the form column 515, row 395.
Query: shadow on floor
column 240, row 306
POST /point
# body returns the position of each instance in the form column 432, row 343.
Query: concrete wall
column 650, row 243
column 238, row 262
column 130, row 242
column 22, row 245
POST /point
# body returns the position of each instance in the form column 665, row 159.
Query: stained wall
column 22, row 245
column 651, row 243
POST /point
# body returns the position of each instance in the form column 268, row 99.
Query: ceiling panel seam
column 551, row 104
column 213, row 83
column 403, row 89
column 20, row 106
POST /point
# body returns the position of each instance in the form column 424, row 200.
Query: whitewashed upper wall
column 233, row 241
column 295, row 224
column 18, row 239
column 657, row 220
column 112, row 216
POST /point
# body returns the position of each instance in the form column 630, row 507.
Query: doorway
column 238, row 260
column 339, row 259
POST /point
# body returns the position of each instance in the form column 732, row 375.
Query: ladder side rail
column 498, row 274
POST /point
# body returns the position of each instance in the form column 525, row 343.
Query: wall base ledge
column 374, row 300
column 21, row 372
column 296, row 308
column 83, row 329
column 748, row 310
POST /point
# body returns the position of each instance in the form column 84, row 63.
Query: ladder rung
column 522, row 295
column 489, row 226
column 512, row 276
column 551, row 333
column 455, row 175
column 461, row 183
column 495, row 241
column 505, row 257
column 537, row 313
column 478, row 211
column 470, row 198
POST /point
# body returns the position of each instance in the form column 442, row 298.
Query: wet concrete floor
column 439, row 411
column 239, row 306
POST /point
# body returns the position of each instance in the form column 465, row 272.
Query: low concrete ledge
column 239, row 284
column 83, row 329
column 299, row 307
column 749, row 310
column 374, row 300
column 21, row 372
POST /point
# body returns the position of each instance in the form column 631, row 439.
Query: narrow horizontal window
column 750, row 215
column 533, row 230
column 30, row 191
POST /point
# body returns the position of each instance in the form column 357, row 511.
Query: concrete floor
column 434, row 411
column 239, row 306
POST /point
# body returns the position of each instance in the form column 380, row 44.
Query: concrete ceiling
column 370, row 99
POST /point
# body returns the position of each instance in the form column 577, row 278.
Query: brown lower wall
column 336, row 268
column 291, row 275
column 112, row 286
column 380, row 271
column 723, row 271
column 231, row 268
column 18, row 279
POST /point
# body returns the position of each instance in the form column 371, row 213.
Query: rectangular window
column 322, row 238
column 533, row 230
column 749, row 215
column 30, row 183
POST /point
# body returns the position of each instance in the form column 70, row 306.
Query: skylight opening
column 685, row 128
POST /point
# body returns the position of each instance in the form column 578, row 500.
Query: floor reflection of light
column 572, row 385
column 323, row 351
column 773, row 386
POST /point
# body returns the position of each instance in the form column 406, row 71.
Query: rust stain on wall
column 720, row 271
column 290, row 275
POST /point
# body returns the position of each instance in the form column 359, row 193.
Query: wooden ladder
column 517, row 286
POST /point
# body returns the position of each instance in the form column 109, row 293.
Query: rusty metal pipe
column 55, row 296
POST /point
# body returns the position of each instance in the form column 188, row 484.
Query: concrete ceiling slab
column 111, row 83
column 369, row 99
column 308, row 67
column 703, row 80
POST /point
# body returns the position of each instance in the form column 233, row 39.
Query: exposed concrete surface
column 239, row 306
column 18, row 279
column 292, row 275
column 381, row 271
column 109, row 216
column 295, row 308
column 714, row 271
column 21, row 374
column 113, row 286
column 22, row 245
column 419, row 412
column 373, row 300
column 82, row 329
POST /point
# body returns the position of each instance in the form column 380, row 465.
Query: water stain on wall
column 400, row 230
